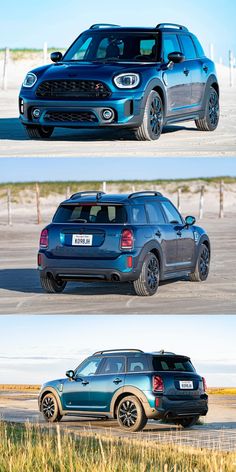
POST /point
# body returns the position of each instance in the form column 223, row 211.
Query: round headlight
column 127, row 81
column 30, row 80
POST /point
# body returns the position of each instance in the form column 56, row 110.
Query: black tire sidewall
column 141, row 417
column 209, row 124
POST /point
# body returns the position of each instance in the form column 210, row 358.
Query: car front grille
column 72, row 117
column 72, row 89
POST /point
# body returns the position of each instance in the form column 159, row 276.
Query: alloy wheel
column 48, row 407
column 152, row 273
column 128, row 413
column 204, row 262
column 156, row 116
column 214, row 108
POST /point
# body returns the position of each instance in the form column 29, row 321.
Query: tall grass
column 33, row 449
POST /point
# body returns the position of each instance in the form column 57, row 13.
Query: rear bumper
column 172, row 409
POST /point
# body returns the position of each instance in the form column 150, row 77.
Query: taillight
column 204, row 384
column 157, row 384
column 127, row 239
column 43, row 242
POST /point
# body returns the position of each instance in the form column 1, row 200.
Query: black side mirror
column 56, row 56
column 70, row 374
column 176, row 57
column 190, row 220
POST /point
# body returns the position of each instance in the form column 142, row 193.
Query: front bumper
column 128, row 111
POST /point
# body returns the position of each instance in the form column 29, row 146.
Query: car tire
column 212, row 112
column 148, row 281
column 50, row 409
column 188, row 422
column 130, row 414
column 202, row 266
column 39, row 132
column 152, row 125
column 51, row 285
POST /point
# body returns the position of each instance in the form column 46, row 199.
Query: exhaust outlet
column 115, row 278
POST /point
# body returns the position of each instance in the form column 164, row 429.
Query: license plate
column 82, row 239
column 186, row 384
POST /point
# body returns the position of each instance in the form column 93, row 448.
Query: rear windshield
column 90, row 214
column 172, row 363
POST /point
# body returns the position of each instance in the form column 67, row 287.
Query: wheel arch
column 155, row 248
column 52, row 390
column 157, row 85
column 125, row 392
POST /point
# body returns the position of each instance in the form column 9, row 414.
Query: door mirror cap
column 70, row 374
column 176, row 57
column 190, row 220
column 56, row 56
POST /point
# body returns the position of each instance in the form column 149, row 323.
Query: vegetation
column 25, row 448
column 221, row 391
column 19, row 54
column 15, row 387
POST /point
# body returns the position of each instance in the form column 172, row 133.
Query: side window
column 170, row 44
column 198, row 46
column 138, row 214
column 137, row 364
column 171, row 213
column 88, row 367
column 113, row 365
column 188, row 46
column 154, row 213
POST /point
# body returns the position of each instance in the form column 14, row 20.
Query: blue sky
column 44, row 347
column 29, row 24
column 41, row 169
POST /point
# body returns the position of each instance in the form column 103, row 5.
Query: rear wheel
column 203, row 265
column 39, row 132
column 51, row 285
column 187, row 422
column 212, row 113
column 148, row 281
column 151, row 127
column 50, row 409
column 130, row 414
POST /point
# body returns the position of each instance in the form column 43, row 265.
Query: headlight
column 127, row 81
column 30, row 80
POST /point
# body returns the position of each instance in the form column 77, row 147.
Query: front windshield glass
column 114, row 47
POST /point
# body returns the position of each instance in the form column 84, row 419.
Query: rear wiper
column 80, row 220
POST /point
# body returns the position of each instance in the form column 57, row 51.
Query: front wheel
column 212, row 112
column 130, row 414
column 50, row 409
column 152, row 125
column 148, row 281
column 51, row 285
column 202, row 266
column 187, row 422
column 39, row 132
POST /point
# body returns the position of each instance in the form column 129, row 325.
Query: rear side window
column 90, row 214
column 113, row 365
column 188, row 47
column 138, row 214
column 171, row 213
column 154, row 212
column 170, row 44
column 172, row 363
column 198, row 46
column 137, row 364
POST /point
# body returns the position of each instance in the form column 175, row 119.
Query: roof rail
column 145, row 192
column 116, row 350
column 173, row 25
column 89, row 192
column 162, row 352
column 103, row 25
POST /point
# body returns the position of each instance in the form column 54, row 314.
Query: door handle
column 85, row 382
column 116, row 381
column 205, row 68
column 186, row 71
column 158, row 233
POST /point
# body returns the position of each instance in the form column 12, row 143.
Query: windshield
column 172, row 363
column 90, row 214
column 114, row 47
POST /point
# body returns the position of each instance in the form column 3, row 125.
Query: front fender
column 55, row 393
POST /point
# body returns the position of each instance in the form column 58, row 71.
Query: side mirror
column 190, row 220
column 176, row 57
column 70, row 374
column 56, row 56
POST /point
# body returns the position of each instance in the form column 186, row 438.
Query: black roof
column 135, row 352
column 101, row 197
column 167, row 27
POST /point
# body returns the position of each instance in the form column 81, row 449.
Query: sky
column 44, row 169
column 29, row 24
column 42, row 348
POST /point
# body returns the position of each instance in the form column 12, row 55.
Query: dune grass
column 25, row 448
column 222, row 391
column 16, row 387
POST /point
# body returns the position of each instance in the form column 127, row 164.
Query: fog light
column 36, row 113
column 21, row 106
column 108, row 114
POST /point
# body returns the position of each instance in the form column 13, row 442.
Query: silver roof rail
column 116, row 350
column 172, row 25
column 89, row 192
column 145, row 192
column 103, row 25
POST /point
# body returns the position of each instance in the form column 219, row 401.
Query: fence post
column 178, row 199
column 231, row 69
column 5, row 66
column 104, row 187
column 201, row 203
column 9, row 218
column 133, row 188
column 45, row 52
column 39, row 220
column 221, row 212
column 68, row 192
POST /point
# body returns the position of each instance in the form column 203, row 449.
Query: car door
column 110, row 377
column 184, row 234
column 76, row 392
column 162, row 232
column 197, row 68
column 176, row 79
